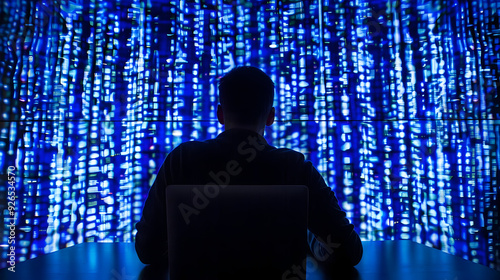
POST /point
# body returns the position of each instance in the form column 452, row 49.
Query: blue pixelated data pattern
column 395, row 102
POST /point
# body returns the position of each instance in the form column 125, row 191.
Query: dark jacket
column 243, row 157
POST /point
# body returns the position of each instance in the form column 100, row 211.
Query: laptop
column 236, row 231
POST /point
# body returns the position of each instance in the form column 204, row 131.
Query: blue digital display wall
column 395, row 102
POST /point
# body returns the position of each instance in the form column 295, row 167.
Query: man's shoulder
column 191, row 151
column 193, row 145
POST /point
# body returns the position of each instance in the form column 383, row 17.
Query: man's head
column 246, row 97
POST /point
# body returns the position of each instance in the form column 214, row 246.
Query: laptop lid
column 237, row 232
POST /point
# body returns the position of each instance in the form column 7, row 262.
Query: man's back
column 236, row 157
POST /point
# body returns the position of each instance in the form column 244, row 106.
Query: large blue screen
column 395, row 102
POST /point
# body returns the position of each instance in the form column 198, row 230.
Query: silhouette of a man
column 246, row 97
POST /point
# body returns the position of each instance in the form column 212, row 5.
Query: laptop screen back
column 247, row 232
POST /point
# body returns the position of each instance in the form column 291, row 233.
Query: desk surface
column 381, row 260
